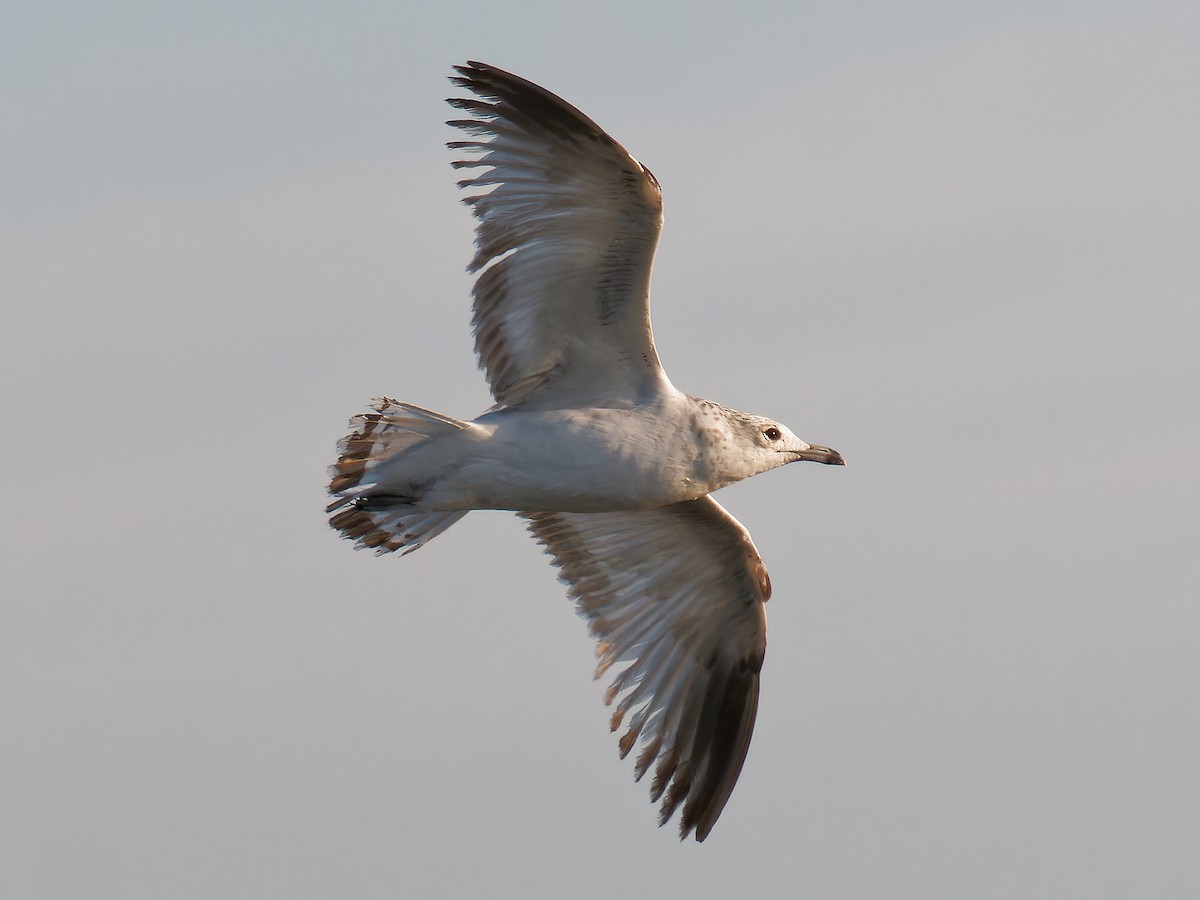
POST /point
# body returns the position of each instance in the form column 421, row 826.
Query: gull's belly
column 573, row 461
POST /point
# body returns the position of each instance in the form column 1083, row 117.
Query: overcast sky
column 960, row 242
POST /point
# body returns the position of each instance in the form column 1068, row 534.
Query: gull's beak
column 817, row 453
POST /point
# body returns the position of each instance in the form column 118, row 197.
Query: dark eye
column 772, row 433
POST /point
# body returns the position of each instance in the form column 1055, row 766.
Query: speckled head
column 742, row 444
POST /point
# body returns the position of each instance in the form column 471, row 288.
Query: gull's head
column 772, row 444
column 738, row 445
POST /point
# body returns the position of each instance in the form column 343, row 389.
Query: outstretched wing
column 567, row 229
column 677, row 593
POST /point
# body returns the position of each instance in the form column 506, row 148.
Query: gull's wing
column 677, row 593
column 567, row 228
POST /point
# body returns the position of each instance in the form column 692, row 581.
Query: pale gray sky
column 958, row 242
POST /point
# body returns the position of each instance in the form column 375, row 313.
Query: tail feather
column 364, row 511
column 388, row 525
column 379, row 435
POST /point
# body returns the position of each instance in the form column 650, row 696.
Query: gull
column 610, row 465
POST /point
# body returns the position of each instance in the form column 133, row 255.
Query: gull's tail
column 370, row 513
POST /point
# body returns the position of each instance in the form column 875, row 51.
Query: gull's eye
column 772, row 433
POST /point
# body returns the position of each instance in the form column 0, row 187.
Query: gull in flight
column 611, row 466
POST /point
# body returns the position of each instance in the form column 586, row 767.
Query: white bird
column 608, row 462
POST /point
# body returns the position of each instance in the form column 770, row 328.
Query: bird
column 610, row 465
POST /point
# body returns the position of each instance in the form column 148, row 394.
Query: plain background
column 957, row 241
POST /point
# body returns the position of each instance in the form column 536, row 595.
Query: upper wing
column 678, row 593
column 566, row 239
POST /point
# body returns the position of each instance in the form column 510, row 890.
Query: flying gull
column 611, row 466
